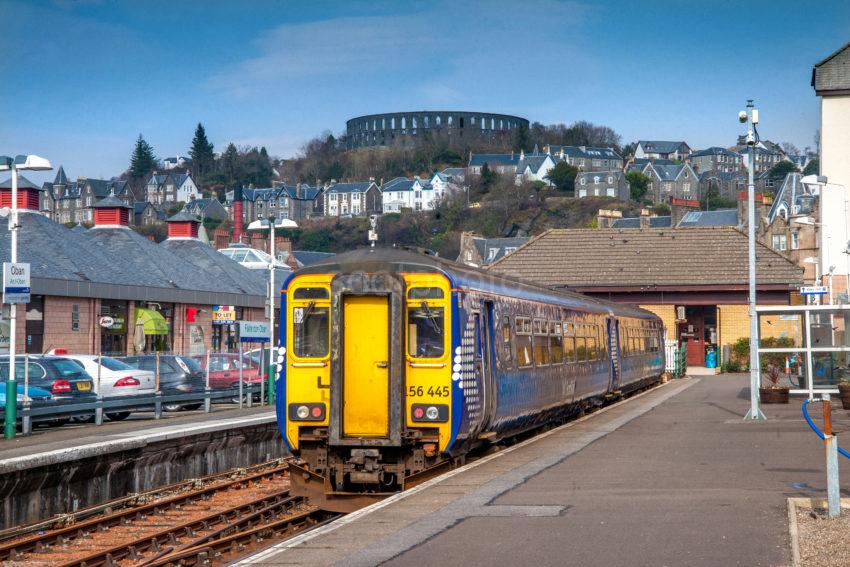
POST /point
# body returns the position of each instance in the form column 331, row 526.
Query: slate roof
column 61, row 178
column 719, row 217
column 307, row 193
column 715, row 256
column 833, row 72
column 603, row 176
column 110, row 202
column 454, row 172
column 715, row 151
column 478, row 160
column 584, row 151
column 140, row 206
column 199, row 205
column 496, row 246
column 220, row 270
column 398, row 184
column 789, row 195
column 634, row 222
column 535, row 162
column 722, row 175
column 183, row 216
column 668, row 172
column 659, row 146
column 23, row 183
column 359, row 187
column 638, row 164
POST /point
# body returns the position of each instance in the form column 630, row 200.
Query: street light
column 31, row 163
column 271, row 223
column 751, row 118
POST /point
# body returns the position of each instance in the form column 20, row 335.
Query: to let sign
column 16, row 282
column 223, row 315
column 253, row 331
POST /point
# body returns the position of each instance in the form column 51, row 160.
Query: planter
column 844, row 392
column 774, row 395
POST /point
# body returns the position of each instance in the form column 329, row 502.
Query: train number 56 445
column 419, row 391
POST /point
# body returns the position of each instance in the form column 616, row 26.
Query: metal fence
column 58, row 411
column 676, row 359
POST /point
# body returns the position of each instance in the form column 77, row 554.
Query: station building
column 160, row 297
column 695, row 279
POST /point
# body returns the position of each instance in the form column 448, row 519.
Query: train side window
column 523, row 342
column 556, row 342
column 311, row 337
column 541, row 343
column 425, row 337
column 581, row 344
column 425, row 293
column 590, row 331
column 569, row 342
column 311, row 293
column 507, row 341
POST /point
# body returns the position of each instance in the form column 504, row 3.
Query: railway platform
column 671, row 477
column 61, row 470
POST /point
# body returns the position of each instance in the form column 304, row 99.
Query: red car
column 224, row 371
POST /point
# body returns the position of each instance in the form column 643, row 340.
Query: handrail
column 817, row 431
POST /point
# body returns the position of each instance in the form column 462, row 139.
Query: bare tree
column 790, row 149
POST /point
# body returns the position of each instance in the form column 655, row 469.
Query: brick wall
column 668, row 316
column 733, row 323
column 58, row 332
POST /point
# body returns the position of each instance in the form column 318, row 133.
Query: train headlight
column 306, row 412
column 429, row 413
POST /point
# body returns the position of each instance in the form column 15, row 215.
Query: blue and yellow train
column 396, row 362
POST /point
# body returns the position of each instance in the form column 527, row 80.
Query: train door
column 365, row 351
column 483, row 358
column 614, row 349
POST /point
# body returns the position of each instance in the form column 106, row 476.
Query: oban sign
column 16, row 282
column 254, row 331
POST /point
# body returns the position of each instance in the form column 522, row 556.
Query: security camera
column 751, row 138
column 742, row 117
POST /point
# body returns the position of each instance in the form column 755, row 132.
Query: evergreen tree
column 201, row 152
column 563, row 176
column 143, row 161
column 812, row 167
column 230, row 162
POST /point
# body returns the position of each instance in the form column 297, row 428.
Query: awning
column 152, row 322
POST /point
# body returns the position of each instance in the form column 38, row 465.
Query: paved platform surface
column 58, row 444
column 672, row 477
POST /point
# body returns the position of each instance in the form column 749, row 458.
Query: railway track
column 221, row 520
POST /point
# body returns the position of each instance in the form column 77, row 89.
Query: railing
column 676, row 359
column 53, row 411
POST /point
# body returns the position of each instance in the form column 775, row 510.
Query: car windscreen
column 114, row 364
column 193, row 365
column 67, row 368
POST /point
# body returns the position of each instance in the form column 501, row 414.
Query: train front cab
column 367, row 383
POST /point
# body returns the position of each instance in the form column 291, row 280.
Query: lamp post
column 271, row 223
column 751, row 118
column 32, row 163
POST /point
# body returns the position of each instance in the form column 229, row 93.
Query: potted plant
column 844, row 392
column 771, row 392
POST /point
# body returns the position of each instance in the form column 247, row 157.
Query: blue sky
column 84, row 78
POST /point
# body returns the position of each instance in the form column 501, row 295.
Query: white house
column 656, row 149
column 415, row 194
column 170, row 188
column 352, row 199
column 448, row 181
column 173, row 162
column 534, row 167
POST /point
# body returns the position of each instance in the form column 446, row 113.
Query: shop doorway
column 699, row 332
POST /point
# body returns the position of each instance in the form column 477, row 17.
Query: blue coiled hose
column 817, row 431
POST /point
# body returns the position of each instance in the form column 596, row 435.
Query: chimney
column 605, row 218
column 743, row 208
column 645, row 216
column 183, row 225
column 221, row 238
column 679, row 208
column 111, row 211
column 521, row 154
column 562, row 153
column 28, row 194
column 238, row 218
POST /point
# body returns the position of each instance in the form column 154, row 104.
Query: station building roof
column 620, row 258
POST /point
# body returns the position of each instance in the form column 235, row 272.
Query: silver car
column 117, row 379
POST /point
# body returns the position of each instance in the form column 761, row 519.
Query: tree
column 813, row 167
column 488, row 177
column 563, row 176
column 781, row 169
column 638, row 183
column 521, row 138
column 202, row 154
column 230, row 162
column 790, row 149
column 143, row 161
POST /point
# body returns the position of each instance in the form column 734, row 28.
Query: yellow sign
column 223, row 315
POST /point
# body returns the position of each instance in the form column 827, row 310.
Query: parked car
column 117, row 380
column 224, row 371
column 67, row 381
column 257, row 353
column 177, row 375
column 38, row 397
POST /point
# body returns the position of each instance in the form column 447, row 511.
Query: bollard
column 207, row 400
column 833, row 490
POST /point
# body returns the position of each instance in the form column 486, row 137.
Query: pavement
column 74, row 441
column 671, row 477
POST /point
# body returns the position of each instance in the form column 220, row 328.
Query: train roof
column 405, row 261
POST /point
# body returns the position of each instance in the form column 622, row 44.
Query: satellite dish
column 5, row 212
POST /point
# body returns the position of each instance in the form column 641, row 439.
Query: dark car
column 66, row 380
column 224, row 372
column 177, row 375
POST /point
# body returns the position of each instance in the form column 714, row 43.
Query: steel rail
column 132, row 550
column 10, row 550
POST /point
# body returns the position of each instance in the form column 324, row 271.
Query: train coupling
column 365, row 466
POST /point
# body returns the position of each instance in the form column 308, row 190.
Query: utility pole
column 751, row 117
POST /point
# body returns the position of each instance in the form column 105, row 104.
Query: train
column 396, row 363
